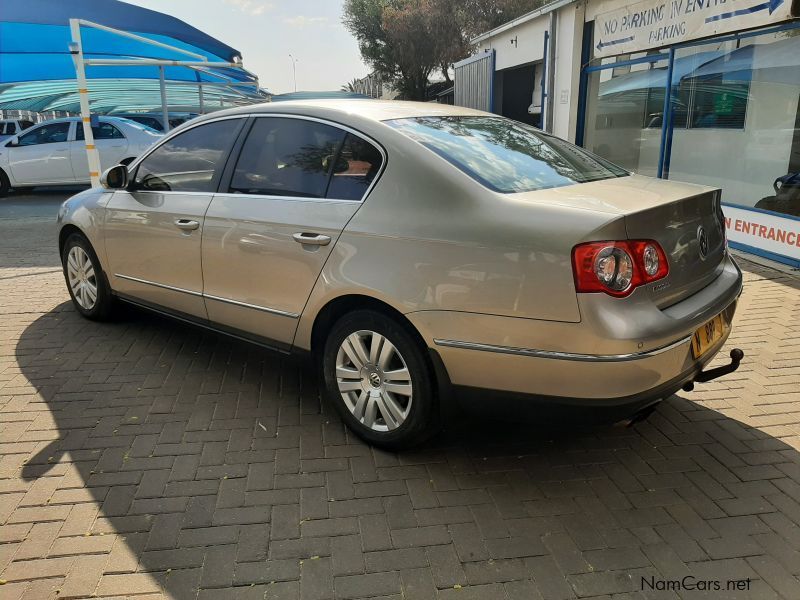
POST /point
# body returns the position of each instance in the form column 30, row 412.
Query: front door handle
column 187, row 224
column 313, row 239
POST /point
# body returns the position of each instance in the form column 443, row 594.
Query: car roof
column 72, row 119
column 377, row 110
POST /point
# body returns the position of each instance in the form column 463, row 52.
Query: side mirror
column 115, row 178
column 14, row 141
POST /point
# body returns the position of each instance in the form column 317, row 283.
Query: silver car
column 422, row 254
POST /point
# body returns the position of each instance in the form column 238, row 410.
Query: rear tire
column 86, row 282
column 379, row 378
column 5, row 185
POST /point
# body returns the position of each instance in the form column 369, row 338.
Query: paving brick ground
column 146, row 458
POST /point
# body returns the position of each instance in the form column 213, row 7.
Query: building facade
column 706, row 91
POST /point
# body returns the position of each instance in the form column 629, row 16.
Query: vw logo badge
column 702, row 241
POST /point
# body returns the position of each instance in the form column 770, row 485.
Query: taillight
column 617, row 267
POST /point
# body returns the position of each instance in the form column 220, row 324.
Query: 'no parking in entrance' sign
column 656, row 23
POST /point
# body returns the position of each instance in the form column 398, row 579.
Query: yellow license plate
column 707, row 335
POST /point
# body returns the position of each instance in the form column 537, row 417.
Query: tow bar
column 704, row 376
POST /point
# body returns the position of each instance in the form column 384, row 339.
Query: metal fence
column 473, row 81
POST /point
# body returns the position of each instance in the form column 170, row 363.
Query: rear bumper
column 534, row 407
column 633, row 373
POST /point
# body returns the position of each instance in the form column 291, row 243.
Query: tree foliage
column 407, row 40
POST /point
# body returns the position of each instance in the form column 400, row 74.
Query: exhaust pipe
column 638, row 417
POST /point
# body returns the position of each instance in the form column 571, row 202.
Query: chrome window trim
column 177, row 131
column 330, row 123
column 266, row 309
column 551, row 354
column 269, row 197
column 189, row 125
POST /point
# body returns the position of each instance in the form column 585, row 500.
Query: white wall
column 529, row 48
column 567, row 70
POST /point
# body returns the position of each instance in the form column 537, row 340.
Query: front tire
column 380, row 380
column 86, row 282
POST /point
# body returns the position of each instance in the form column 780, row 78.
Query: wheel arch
column 66, row 231
column 337, row 307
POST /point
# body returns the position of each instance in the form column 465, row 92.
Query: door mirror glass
column 115, row 178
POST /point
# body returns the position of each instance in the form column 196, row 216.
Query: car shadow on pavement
column 209, row 463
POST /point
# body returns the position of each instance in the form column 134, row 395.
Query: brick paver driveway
column 146, row 457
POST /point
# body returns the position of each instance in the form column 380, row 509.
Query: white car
column 11, row 127
column 54, row 152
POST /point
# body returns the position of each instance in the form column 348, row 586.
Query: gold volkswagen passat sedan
column 419, row 252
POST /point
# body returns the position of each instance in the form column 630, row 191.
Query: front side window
column 46, row 134
column 504, row 155
column 104, row 131
column 287, row 157
column 190, row 161
column 356, row 167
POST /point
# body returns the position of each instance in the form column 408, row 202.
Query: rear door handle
column 187, row 224
column 313, row 239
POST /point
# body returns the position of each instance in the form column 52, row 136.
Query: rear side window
column 504, row 155
column 287, row 157
column 189, row 162
column 355, row 169
column 104, row 131
column 149, row 122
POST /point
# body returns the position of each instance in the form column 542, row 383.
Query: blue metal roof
column 34, row 49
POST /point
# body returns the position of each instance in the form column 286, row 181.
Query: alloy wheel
column 374, row 380
column 82, row 277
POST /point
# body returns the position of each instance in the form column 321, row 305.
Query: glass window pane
column 104, row 131
column 742, row 129
column 504, row 155
column 46, row 134
column 287, row 157
column 357, row 165
column 624, row 114
column 189, row 161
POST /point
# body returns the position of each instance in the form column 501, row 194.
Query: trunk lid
column 672, row 213
column 691, row 233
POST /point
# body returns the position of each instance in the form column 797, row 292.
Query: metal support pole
column 551, row 73
column 76, row 49
column 162, row 84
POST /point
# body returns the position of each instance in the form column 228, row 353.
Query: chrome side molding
column 266, row 309
column 560, row 355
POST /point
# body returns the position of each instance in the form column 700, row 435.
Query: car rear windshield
column 504, row 155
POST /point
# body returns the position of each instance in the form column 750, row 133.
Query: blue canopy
column 656, row 78
column 775, row 62
column 34, row 48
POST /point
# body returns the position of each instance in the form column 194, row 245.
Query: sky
column 266, row 32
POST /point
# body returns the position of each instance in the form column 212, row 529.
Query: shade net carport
column 37, row 71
